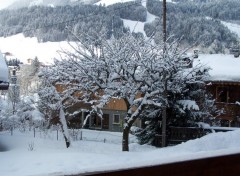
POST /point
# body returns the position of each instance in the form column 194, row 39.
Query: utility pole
column 164, row 21
column 164, row 110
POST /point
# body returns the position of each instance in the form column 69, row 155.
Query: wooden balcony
column 231, row 111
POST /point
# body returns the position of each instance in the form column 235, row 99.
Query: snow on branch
column 188, row 104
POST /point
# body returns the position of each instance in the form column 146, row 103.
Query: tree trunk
column 65, row 137
column 164, row 114
column 164, row 119
column 64, row 127
column 125, row 139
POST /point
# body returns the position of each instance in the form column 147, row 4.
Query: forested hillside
column 195, row 21
column 192, row 22
column 49, row 24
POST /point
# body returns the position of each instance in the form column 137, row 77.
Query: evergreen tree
column 35, row 66
column 185, row 109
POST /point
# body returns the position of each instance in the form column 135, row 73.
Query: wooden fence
column 177, row 135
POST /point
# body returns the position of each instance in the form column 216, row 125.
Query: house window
column 222, row 94
column 96, row 121
column 116, row 119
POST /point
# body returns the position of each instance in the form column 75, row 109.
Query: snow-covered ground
column 137, row 26
column 232, row 27
column 25, row 48
column 5, row 3
column 45, row 155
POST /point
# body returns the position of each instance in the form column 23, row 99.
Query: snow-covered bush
column 25, row 117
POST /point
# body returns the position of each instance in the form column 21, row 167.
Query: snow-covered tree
column 185, row 109
column 28, row 77
column 133, row 69
column 51, row 105
column 26, row 114
column 14, row 92
column 35, row 65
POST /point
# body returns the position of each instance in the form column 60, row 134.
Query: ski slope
column 235, row 28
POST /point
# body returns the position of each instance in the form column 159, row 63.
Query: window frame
column 114, row 119
column 222, row 91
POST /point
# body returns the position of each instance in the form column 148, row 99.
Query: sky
column 45, row 155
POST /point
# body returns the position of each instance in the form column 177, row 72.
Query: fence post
column 34, row 132
column 57, row 134
column 80, row 135
column 11, row 130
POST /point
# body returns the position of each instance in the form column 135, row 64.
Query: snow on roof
column 224, row 67
column 3, row 69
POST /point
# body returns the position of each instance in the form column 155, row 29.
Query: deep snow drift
column 99, row 151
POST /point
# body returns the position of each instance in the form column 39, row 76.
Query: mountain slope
column 185, row 20
column 25, row 48
column 16, row 4
column 5, row 3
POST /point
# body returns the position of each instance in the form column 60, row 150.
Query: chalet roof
column 224, row 67
column 3, row 69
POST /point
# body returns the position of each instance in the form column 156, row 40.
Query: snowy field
column 232, row 27
column 5, row 3
column 25, row 48
column 99, row 151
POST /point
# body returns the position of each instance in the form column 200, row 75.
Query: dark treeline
column 130, row 10
column 38, row 20
column 193, row 21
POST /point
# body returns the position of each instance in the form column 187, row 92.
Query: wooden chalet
column 113, row 115
column 224, row 85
